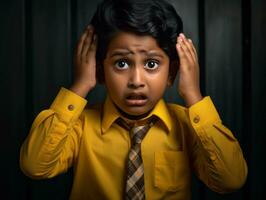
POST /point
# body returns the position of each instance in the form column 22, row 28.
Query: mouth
column 136, row 99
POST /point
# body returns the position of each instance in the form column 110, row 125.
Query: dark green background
column 37, row 39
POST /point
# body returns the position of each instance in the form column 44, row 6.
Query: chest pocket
column 172, row 171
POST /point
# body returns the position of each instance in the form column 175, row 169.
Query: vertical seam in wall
column 246, row 89
column 27, row 62
column 73, row 32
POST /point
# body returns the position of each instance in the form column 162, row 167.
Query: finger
column 80, row 43
column 179, row 50
column 194, row 53
column 92, row 50
column 87, row 42
column 194, row 49
column 181, row 55
column 185, row 49
column 188, row 46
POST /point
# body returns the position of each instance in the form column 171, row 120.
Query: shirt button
column 196, row 119
column 213, row 157
column 71, row 107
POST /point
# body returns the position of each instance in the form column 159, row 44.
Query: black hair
column 156, row 18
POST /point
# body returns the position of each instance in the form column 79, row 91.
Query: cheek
column 159, row 83
column 113, row 82
column 161, row 77
column 114, row 86
column 158, row 86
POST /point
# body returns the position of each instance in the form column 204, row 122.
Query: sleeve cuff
column 68, row 105
column 203, row 113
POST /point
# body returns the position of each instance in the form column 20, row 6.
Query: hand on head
column 189, row 82
column 85, row 63
column 85, row 67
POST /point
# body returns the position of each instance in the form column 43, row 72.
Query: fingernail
column 182, row 35
column 90, row 27
column 190, row 40
column 180, row 39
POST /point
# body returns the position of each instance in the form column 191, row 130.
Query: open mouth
column 136, row 96
column 136, row 99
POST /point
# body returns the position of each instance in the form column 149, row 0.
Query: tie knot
column 137, row 133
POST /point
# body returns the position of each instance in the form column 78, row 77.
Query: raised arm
column 215, row 153
column 53, row 143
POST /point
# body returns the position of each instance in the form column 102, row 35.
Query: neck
column 133, row 117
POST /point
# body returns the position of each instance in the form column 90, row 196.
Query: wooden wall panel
column 223, row 56
column 51, row 50
column 224, row 59
column 12, row 83
column 258, row 99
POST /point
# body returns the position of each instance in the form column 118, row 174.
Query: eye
column 121, row 64
column 151, row 65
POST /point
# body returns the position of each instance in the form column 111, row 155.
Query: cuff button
column 212, row 156
column 71, row 107
column 196, row 119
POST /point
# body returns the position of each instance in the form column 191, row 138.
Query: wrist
column 81, row 89
column 191, row 99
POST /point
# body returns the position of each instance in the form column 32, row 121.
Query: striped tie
column 135, row 171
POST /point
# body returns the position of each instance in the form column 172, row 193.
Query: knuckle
column 87, row 42
column 184, row 47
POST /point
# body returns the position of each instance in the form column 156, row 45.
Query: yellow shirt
column 182, row 141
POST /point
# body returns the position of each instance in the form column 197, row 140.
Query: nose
column 136, row 79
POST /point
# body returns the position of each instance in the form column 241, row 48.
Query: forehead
column 128, row 41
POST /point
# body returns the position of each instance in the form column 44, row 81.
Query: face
column 136, row 73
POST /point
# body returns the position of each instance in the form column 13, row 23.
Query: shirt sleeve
column 216, row 154
column 52, row 144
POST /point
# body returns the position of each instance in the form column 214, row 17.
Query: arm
column 53, row 143
column 215, row 153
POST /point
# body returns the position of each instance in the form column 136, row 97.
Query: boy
column 134, row 146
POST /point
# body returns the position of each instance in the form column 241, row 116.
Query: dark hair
column 156, row 18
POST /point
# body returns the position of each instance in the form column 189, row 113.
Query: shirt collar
column 110, row 114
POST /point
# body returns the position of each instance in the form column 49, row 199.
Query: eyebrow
column 127, row 52
column 120, row 53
